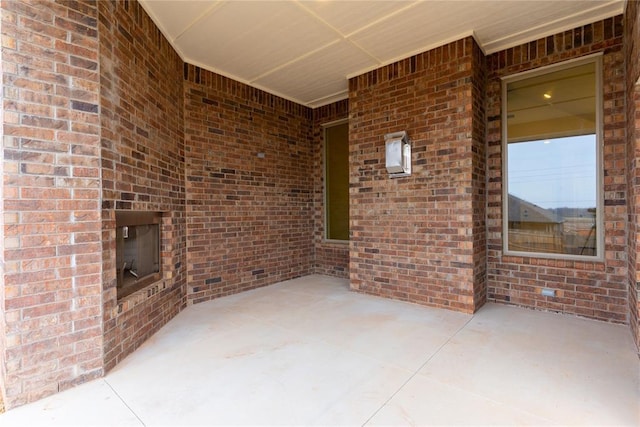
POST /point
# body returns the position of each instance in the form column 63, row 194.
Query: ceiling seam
column 293, row 61
column 347, row 37
column 204, row 14
column 344, row 37
column 314, row 15
column 365, row 51
column 384, row 18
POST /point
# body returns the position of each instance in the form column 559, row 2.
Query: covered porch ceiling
column 305, row 51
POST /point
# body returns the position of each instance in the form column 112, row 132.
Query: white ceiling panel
column 304, row 50
column 348, row 17
column 175, row 16
column 249, row 38
column 416, row 29
column 324, row 71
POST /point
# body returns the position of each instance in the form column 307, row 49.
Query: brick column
column 50, row 295
column 632, row 50
column 420, row 238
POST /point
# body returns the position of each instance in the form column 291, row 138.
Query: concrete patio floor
column 309, row 352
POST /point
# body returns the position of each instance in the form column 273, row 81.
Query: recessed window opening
column 137, row 250
column 336, row 174
column 552, row 145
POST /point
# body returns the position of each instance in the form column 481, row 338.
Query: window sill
column 552, row 258
column 336, row 242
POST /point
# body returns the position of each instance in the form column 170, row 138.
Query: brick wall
column 142, row 167
column 413, row 238
column 330, row 258
column 592, row 289
column 479, row 176
column 51, row 275
column 632, row 53
column 249, row 185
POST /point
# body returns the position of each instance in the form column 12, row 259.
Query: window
column 336, row 173
column 552, row 197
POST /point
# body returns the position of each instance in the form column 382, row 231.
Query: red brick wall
column 413, row 238
column 142, row 167
column 51, row 275
column 632, row 54
column 479, row 176
column 249, row 218
column 592, row 289
column 330, row 258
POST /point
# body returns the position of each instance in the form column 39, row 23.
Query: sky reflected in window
column 554, row 173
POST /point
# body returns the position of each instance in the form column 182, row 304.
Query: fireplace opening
column 137, row 250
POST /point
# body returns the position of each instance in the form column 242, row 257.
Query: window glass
column 552, row 197
column 337, row 181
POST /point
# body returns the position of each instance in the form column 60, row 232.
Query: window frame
column 325, row 127
column 596, row 59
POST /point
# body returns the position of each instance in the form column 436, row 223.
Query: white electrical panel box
column 398, row 154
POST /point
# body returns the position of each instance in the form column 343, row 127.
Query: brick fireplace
column 104, row 121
